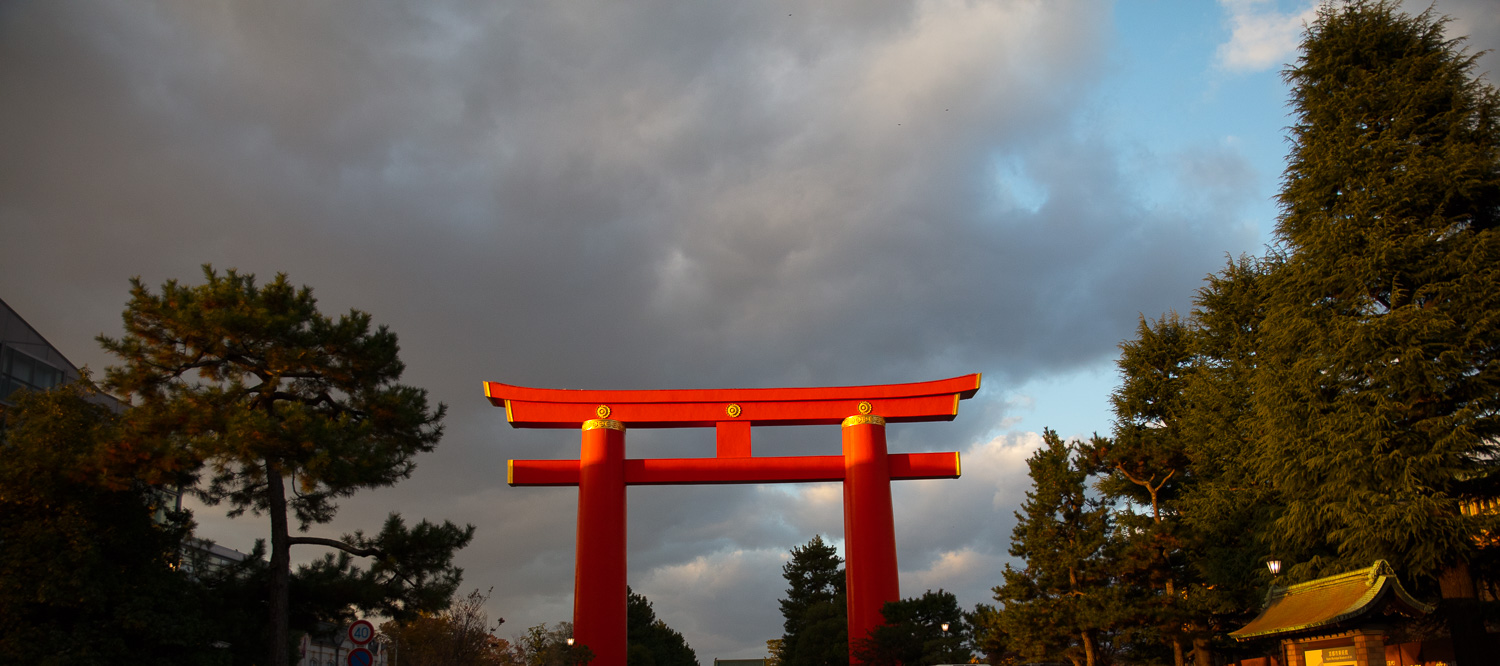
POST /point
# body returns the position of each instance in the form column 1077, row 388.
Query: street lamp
column 570, row 641
column 1274, row 566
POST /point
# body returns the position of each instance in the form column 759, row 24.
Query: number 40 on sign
column 361, row 632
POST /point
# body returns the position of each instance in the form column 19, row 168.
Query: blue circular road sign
column 360, row 657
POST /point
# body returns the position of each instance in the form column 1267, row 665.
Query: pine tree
column 930, row 629
column 1379, row 391
column 1061, row 604
column 1223, row 509
column 652, row 642
column 1179, row 452
column 1147, row 464
column 817, row 625
column 1183, row 453
column 289, row 410
column 1147, row 459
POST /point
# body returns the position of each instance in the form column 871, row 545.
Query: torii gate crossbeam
column 602, row 472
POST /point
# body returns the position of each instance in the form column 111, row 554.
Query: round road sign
column 360, row 657
column 361, row 632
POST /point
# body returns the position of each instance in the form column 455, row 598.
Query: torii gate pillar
column 602, row 472
column 599, row 599
column 870, row 574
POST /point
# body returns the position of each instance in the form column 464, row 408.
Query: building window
column 20, row 370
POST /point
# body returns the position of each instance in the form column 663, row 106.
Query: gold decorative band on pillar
column 864, row 419
column 611, row 424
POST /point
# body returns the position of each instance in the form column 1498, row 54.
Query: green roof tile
column 1329, row 601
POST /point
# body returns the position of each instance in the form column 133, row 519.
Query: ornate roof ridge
column 1286, row 610
column 1373, row 572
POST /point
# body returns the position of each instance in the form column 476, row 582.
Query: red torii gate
column 602, row 472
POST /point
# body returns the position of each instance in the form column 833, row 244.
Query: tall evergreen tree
column 816, row 624
column 1179, row 453
column 652, row 642
column 930, row 629
column 1379, row 391
column 1147, row 464
column 290, row 410
column 1178, row 461
column 1224, row 508
column 1147, row 460
column 1218, row 424
column 1061, row 605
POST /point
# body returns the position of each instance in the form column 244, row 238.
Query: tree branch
column 334, row 543
column 1128, row 475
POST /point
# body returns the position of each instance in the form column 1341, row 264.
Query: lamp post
column 1274, row 566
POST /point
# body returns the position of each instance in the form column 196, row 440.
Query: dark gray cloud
column 1476, row 21
column 649, row 195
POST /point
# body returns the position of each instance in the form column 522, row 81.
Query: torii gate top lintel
column 527, row 407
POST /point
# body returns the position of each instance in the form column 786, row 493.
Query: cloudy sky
column 665, row 195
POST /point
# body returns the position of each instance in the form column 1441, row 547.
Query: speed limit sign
column 361, row 632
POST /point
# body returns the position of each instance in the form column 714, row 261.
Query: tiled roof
column 1328, row 601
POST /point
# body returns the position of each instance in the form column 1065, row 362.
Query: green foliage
column 990, row 639
column 288, row 410
column 87, row 576
column 1226, row 499
column 1149, row 463
column 1331, row 404
column 1338, row 401
column 1184, row 452
column 913, row 633
column 817, row 625
column 460, row 635
column 1377, row 384
column 652, row 642
column 261, row 386
column 773, row 652
column 1378, row 387
column 1146, row 462
column 1061, row 605
column 233, row 602
column 541, row 646
column 411, row 573
column 1225, row 508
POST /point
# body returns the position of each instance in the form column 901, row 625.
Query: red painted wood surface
column 599, row 598
column 684, row 408
column 602, row 474
column 683, row 471
column 733, row 439
column 871, row 578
